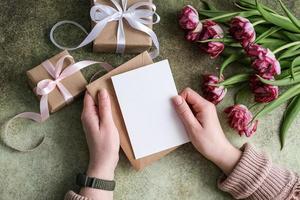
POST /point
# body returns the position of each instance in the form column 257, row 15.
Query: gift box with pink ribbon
column 47, row 79
column 56, row 82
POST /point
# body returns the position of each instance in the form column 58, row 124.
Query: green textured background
column 49, row 172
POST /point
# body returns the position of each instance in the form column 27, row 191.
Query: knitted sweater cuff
column 73, row 196
column 255, row 177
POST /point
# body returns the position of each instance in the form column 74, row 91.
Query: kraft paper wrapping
column 136, row 41
column 106, row 83
column 75, row 83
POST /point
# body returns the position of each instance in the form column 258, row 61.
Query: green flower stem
column 258, row 22
column 239, row 78
column 225, row 16
column 286, row 46
column 224, row 40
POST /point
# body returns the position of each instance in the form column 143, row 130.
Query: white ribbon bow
column 136, row 16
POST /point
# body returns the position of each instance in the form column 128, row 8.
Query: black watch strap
column 84, row 181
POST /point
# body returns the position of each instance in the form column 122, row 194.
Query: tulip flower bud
column 212, row 30
column 256, row 51
column 242, row 30
column 263, row 93
column 239, row 118
column 267, row 66
column 264, row 61
column 188, row 18
column 212, row 93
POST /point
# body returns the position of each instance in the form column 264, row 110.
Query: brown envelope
column 136, row 41
column 75, row 83
column 105, row 82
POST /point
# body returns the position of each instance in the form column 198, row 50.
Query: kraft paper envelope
column 105, row 82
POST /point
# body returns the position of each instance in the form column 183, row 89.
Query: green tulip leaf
column 289, row 80
column 266, row 34
column 287, row 73
column 293, row 19
column 244, row 96
column 232, row 58
column 276, row 19
column 289, row 116
column 272, row 43
column 296, row 62
column 251, row 4
column 292, row 36
column 260, row 29
column 284, row 64
column 290, row 52
column 209, row 6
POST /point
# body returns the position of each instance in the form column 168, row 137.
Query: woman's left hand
column 102, row 136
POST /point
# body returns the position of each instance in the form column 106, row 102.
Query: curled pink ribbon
column 46, row 86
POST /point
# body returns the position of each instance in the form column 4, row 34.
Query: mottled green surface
column 49, row 172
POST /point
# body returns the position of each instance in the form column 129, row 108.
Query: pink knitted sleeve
column 256, row 178
column 73, row 196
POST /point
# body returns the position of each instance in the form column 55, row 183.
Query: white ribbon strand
column 137, row 17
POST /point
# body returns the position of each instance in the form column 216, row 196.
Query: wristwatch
column 84, row 181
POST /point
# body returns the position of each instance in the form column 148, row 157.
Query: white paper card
column 144, row 96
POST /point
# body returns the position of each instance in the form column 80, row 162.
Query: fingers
column 197, row 102
column 200, row 106
column 89, row 115
column 185, row 113
column 89, row 105
column 105, row 112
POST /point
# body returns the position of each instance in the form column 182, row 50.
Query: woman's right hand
column 202, row 125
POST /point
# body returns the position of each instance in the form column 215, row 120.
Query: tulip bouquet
column 261, row 39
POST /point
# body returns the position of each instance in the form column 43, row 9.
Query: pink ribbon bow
column 46, row 86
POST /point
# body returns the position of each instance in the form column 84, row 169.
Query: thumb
column 105, row 113
column 185, row 113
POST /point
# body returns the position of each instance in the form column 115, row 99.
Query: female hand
column 202, row 125
column 102, row 136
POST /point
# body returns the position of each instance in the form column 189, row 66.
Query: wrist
column 227, row 158
column 101, row 171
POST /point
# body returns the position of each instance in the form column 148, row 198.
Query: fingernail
column 103, row 94
column 177, row 100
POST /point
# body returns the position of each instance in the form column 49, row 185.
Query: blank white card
column 144, row 96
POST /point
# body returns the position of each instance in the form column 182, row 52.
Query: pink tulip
column 192, row 36
column 264, row 61
column 188, row 18
column 239, row 118
column 256, row 51
column 214, row 49
column 212, row 30
column 263, row 93
column 267, row 66
column 212, row 93
column 242, row 30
